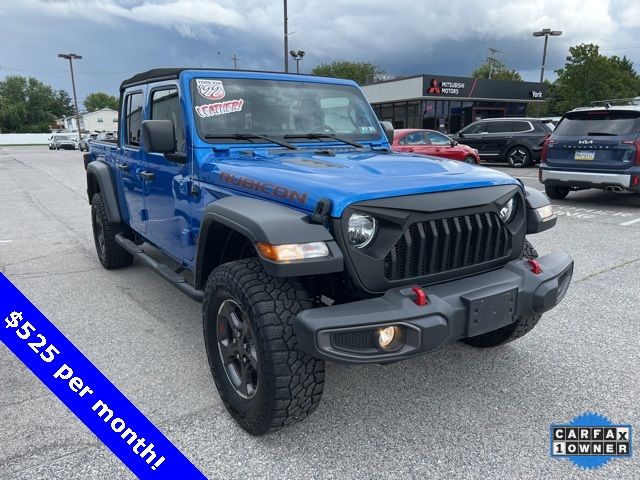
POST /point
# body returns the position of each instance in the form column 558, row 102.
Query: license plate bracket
column 584, row 155
column 489, row 310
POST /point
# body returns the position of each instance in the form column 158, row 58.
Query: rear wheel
column 110, row 254
column 264, row 381
column 556, row 193
column 518, row 156
column 510, row 332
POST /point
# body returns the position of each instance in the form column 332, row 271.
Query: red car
column 436, row 144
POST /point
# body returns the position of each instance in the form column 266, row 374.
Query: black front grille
column 445, row 244
column 355, row 340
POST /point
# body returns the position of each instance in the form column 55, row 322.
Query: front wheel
column 470, row 159
column 510, row 332
column 556, row 193
column 264, row 381
column 518, row 157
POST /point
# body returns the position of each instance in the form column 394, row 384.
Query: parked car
column 517, row 141
column 84, row 143
column 306, row 238
column 56, row 142
column 436, row 144
column 106, row 136
column 595, row 147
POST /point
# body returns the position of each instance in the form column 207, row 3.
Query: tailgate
column 598, row 139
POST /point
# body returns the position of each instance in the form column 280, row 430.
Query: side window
column 498, row 127
column 438, row 139
column 520, row 126
column 416, row 138
column 165, row 105
column 133, row 118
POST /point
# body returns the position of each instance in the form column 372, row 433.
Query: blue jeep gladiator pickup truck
column 279, row 204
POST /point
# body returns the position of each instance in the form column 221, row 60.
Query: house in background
column 103, row 120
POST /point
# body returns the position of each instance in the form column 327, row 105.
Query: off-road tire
column 555, row 192
column 110, row 254
column 289, row 382
column 512, row 331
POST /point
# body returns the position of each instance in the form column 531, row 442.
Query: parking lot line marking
column 6, row 241
column 630, row 222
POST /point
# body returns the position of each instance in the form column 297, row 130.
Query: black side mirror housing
column 388, row 131
column 158, row 136
column 454, row 143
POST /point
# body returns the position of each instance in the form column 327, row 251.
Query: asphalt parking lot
column 458, row 413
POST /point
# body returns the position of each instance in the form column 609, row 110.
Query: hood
column 302, row 178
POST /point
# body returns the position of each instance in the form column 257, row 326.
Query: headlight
column 361, row 229
column 506, row 212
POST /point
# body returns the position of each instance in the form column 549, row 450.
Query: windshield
column 599, row 122
column 62, row 137
column 277, row 108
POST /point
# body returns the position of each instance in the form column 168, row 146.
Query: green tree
column 27, row 105
column 359, row 72
column 589, row 76
column 64, row 104
column 97, row 100
column 495, row 70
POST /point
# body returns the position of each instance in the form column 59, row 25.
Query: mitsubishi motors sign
column 480, row 88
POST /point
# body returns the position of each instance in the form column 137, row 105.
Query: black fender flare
column 536, row 199
column 268, row 222
column 102, row 174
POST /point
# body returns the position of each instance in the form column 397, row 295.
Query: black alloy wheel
column 237, row 348
column 518, row 157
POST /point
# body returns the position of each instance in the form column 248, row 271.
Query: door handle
column 123, row 166
column 150, row 176
column 409, row 150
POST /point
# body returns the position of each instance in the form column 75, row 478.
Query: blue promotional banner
column 86, row 391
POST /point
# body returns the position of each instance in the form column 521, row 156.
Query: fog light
column 390, row 338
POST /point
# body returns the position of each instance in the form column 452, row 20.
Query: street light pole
column 286, row 40
column 297, row 56
column 71, row 57
column 545, row 32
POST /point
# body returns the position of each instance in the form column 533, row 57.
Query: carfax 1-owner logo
column 590, row 440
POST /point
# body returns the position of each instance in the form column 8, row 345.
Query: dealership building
column 447, row 103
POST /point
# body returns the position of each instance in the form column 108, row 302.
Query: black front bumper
column 461, row 308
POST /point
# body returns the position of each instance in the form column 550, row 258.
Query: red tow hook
column 421, row 297
column 536, row 268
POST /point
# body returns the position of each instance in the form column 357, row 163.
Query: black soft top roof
column 156, row 74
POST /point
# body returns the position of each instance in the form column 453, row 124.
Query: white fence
column 24, row 138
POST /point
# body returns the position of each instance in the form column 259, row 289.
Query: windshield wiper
column 250, row 136
column 601, row 134
column 319, row 136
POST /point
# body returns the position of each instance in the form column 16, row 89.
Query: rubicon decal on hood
column 220, row 108
column 268, row 188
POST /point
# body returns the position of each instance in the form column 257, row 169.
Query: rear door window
column 499, row 127
column 416, row 138
column 133, row 118
column 599, row 123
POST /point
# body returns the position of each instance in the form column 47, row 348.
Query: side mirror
column 454, row 143
column 388, row 131
column 158, row 136
column 459, row 134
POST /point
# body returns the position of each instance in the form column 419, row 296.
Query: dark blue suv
column 596, row 147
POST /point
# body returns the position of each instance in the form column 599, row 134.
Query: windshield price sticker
column 86, row 391
column 211, row 89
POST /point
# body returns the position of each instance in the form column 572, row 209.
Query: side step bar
column 161, row 269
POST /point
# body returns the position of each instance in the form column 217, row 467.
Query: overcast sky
column 118, row 38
